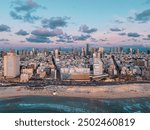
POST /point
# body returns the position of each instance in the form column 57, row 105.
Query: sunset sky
column 67, row 23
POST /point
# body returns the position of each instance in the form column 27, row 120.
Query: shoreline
column 95, row 92
column 15, row 97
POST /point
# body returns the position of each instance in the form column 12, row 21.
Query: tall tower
column 83, row 52
column 11, row 65
column 138, row 51
column 97, row 64
column 130, row 50
column 56, row 53
column 87, row 49
column 101, row 52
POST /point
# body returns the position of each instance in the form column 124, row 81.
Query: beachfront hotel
column 11, row 65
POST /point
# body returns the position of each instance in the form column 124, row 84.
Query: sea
column 40, row 104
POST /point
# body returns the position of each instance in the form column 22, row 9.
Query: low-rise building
column 75, row 73
column 24, row 78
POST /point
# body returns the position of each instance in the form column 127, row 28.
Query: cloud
column 46, row 33
column 4, row 28
column 55, row 22
column 30, row 18
column 116, row 29
column 122, row 34
column 61, row 40
column 143, row 16
column 22, row 41
column 57, row 32
column 41, row 32
column 93, row 39
column 131, row 19
column 23, row 10
column 86, row 29
column 4, row 40
column 133, row 39
column 118, row 21
column 103, row 40
column 131, row 34
column 15, row 15
column 22, row 32
column 41, row 35
column 147, row 2
column 6, row 43
column 148, row 38
column 28, row 5
column 65, row 38
column 38, row 39
column 70, row 38
column 81, row 38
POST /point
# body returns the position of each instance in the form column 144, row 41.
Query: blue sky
column 53, row 23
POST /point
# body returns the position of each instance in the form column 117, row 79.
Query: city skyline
column 69, row 23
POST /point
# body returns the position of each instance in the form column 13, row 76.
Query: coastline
column 91, row 92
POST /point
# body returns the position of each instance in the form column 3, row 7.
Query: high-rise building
column 116, row 50
column 83, row 52
column 97, row 64
column 87, row 49
column 2, row 54
column 56, row 53
column 11, row 65
column 130, row 50
column 138, row 51
column 111, row 50
column 121, row 49
column 101, row 52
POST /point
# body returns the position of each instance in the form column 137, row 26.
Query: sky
column 74, row 23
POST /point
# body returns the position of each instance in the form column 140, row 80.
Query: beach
column 96, row 92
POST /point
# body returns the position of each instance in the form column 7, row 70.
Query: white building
column 24, row 78
column 28, row 71
column 97, row 64
column 83, row 52
column 56, row 53
column 11, row 65
column 101, row 50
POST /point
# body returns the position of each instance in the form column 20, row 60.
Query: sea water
column 39, row 104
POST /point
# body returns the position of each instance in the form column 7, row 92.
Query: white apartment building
column 97, row 64
column 11, row 65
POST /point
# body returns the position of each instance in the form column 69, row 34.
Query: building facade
column 97, row 64
column 11, row 65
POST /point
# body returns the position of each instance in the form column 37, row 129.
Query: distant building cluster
column 85, row 64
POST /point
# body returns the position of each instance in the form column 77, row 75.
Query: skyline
column 69, row 23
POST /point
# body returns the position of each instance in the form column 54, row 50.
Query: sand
column 98, row 92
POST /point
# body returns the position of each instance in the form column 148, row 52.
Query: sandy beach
column 98, row 92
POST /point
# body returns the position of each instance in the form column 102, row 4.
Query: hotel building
column 11, row 65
